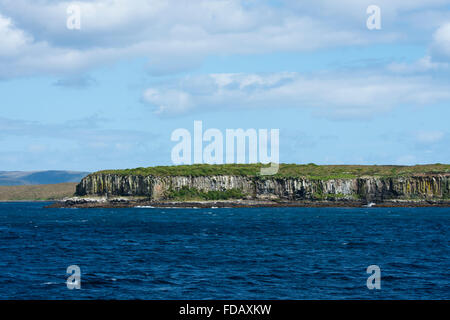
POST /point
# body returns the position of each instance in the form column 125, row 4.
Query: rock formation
column 368, row 188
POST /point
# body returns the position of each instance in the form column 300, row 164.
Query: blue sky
column 110, row 94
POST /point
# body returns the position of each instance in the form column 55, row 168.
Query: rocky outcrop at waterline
column 421, row 187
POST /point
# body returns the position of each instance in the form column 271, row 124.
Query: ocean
column 236, row 253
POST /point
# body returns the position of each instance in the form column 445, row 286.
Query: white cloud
column 436, row 60
column 175, row 35
column 422, row 65
column 12, row 40
column 441, row 42
column 330, row 94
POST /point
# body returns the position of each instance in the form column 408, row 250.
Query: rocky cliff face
column 431, row 187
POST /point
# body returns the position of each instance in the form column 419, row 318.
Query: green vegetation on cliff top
column 310, row 171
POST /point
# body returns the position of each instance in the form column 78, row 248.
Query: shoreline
column 123, row 203
column 8, row 201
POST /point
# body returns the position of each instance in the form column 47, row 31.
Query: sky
column 110, row 93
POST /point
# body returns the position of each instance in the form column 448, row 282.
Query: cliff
column 404, row 183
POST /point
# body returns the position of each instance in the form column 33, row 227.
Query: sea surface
column 250, row 253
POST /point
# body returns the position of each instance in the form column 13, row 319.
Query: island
column 242, row 185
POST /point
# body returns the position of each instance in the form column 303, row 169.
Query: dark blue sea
column 252, row 253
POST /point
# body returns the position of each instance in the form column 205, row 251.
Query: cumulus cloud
column 35, row 38
column 437, row 58
column 331, row 94
column 441, row 43
column 12, row 40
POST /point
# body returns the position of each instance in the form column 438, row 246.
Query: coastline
column 294, row 185
column 31, row 200
column 125, row 203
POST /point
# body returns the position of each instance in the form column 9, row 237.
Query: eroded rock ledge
column 239, row 203
column 419, row 187
column 119, row 190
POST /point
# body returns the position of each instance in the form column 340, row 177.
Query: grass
column 186, row 193
column 37, row 192
column 310, row 171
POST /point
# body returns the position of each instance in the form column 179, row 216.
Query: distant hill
column 37, row 192
column 18, row 178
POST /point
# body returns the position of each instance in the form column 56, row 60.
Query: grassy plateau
column 310, row 171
